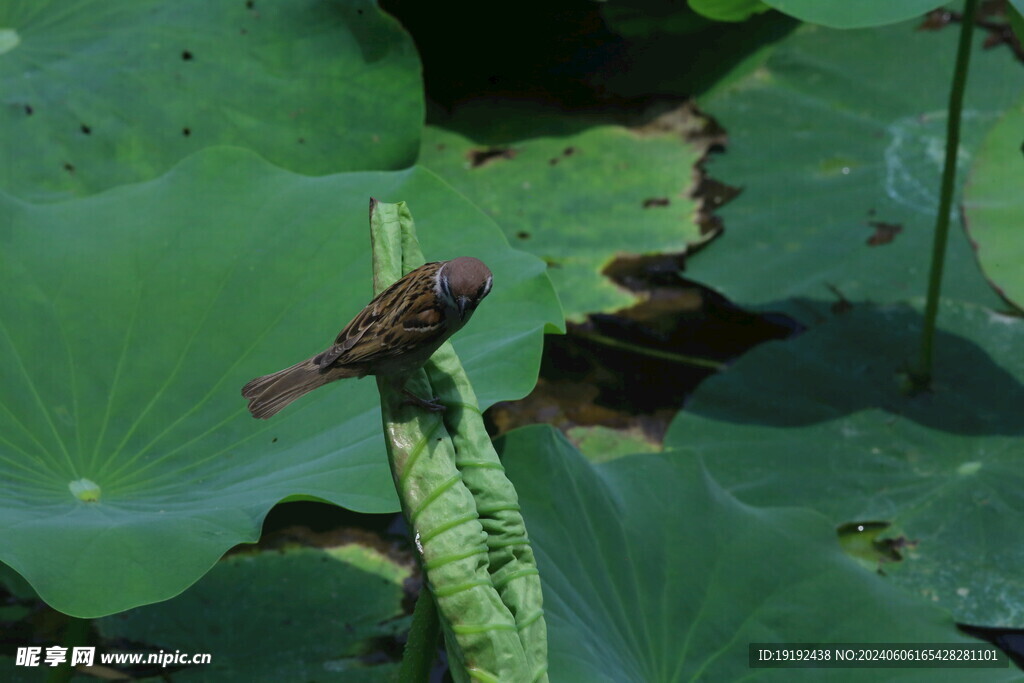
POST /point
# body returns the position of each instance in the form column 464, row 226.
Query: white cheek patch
column 441, row 288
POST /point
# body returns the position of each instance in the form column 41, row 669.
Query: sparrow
column 393, row 336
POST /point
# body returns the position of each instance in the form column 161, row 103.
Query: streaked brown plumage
column 393, row 335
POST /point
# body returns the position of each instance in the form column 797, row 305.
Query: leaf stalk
column 921, row 376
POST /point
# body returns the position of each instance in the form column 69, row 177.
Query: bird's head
column 466, row 281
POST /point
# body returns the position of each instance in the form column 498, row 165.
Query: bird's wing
column 402, row 317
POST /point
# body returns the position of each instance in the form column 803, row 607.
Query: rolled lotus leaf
column 461, row 509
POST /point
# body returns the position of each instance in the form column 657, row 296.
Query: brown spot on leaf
column 249, row 4
column 186, row 132
column 1002, row 34
column 481, row 157
column 567, row 152
column 639, row 272
column 937, row 19
column 709, row 193
column 86, row 129
column 655, row 201
column 28, row 110
column 186, row 56
column 884, row 233
column 893, row 547
column 69, row 167
column 567, row 404
column 684, row 121
column 991, row 17
column 523, row 235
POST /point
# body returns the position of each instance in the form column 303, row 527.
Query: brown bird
column 393, row 336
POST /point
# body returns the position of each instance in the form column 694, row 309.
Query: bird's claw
column 432, row 405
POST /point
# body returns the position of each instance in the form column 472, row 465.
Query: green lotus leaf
column 729, row 10
column 97, row 93
column 131, row 319
column 739, row 49
column 839, row 175
column 641, row 18
column 652, row 572
column 994, row 206
column 845, row 14
column 821, row 421
column 295, row 614
column 571, row 191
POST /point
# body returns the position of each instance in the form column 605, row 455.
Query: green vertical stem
column 421, row 647
column 75, row 634
column 921, row 377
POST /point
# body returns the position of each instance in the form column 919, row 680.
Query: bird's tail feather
column 270, row 393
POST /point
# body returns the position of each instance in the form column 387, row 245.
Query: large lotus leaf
column 652, row 572
column 96, row 93
column 574, row 193
column 739, row 48
column 301, row 614
column 846, row 14
column 639, row 18
column 837, row 142
column 821, row 421
column 729, row 10
column 994, row 206
column 131, row 319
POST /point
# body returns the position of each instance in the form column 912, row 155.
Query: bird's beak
column 463, row 303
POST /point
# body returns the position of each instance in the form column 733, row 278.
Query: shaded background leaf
column 820, row 421
column 652, row 572
column 729, row 10
column 837, row 143
column 292, row 614
column 844, row 14
column 994, row 206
